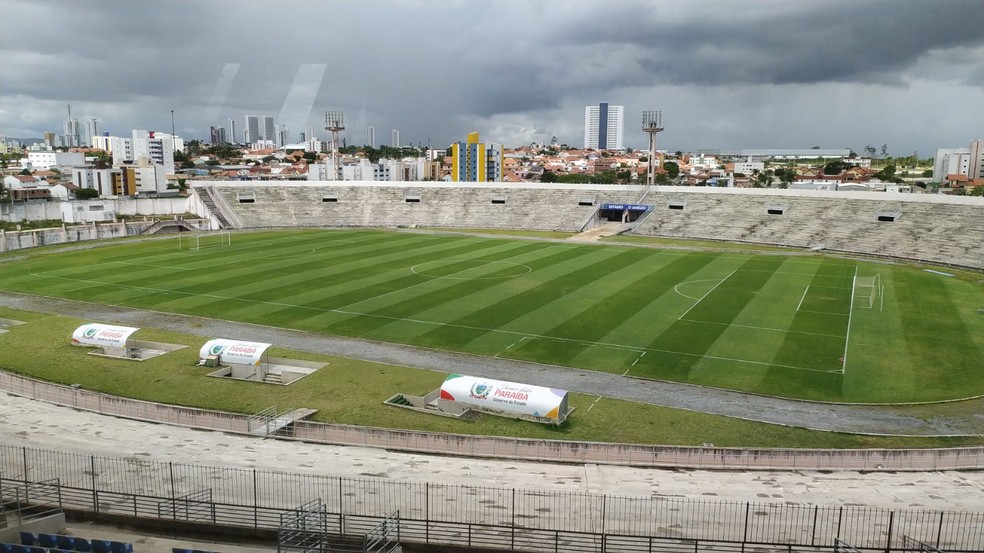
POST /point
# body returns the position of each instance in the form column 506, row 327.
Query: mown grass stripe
column 723, row 304
column 584, row 270
column 594, row 321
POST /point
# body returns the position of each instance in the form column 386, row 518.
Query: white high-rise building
column 72, row 136
column 371, row 136
column 603, row 126
column 91, row 132
column 150, row 149
column 268, row 129
column 252, row 130
column 960, row 161
column 395, row 138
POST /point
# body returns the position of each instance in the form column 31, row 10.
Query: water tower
column 652, row 123
column 334, row 123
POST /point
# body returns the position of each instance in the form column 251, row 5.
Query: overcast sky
column 726, row 74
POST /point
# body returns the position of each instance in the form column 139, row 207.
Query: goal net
column 868, row 292
column 199, row 241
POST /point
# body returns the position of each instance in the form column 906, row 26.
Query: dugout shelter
column 244, row 360
column 117, row 342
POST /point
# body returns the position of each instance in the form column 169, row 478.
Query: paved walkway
column 25, row 422
column 816, row 416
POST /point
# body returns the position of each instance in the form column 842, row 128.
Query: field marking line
column 593, row 404
column 800, row 304
column 506, row 348
column 823, row 313
column 850, row 314
column 706, row 294
column 764, row 328
column 676, row 288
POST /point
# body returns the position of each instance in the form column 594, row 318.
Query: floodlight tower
column 334, row 123
column 652, row 123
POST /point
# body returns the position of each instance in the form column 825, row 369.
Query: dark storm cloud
column 438, row 69
column 779, row 42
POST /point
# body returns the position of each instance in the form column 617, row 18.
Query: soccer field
column 812, row 327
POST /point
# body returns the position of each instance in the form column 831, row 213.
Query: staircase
column 273, row 378
column 205, row 194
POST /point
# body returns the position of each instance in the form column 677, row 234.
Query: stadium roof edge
column 499, row 188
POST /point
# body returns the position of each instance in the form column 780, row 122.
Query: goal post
column 868, row 291
column 202, row 240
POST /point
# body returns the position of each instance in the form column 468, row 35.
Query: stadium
column 787, row 330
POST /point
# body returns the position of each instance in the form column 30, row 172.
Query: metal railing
column 455, row 514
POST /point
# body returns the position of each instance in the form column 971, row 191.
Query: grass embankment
column 348, row 391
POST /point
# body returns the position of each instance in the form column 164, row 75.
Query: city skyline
column 725, row 74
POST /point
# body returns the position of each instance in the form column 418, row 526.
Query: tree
column 86, row 194
column 928, row 173
column 888, row 174
column 548, row 176
column 835, row 167
column 25, row 172
column 786, row 175
column 884, row 151
column 672, row 169
column 976, row 191
column 869, row 151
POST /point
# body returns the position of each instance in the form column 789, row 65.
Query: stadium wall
column 18, row 240
column 965, row 458
column 933, row 228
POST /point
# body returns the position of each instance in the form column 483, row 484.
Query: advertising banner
column 233, row 351
column 100, row 335
column 512, row 397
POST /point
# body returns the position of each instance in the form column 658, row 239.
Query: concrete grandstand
column 939, row 229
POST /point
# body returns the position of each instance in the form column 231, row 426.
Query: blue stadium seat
column 83, row 545
column 19, row 548
column 5, row 548
column 101, row 546
column 65, row 542
column 121, row 547
column 37, row 549
column 180, row 550
column 27, row 538
column 47, row 540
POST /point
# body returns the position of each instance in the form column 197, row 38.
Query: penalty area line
column 800, row 304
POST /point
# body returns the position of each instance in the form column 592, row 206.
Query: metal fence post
column 427, row 518
column 744, row 539
column 256, row 501
column 512, row 531
column 813, row 538
column 174, row 504
column 24, row 457
column 939, row 531
column 840, row 516
column 891, row 522
column 341, row 511
column 95, row 494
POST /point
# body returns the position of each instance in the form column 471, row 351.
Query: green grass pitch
column 785, row 325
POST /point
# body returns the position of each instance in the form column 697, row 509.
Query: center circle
column 464, row 269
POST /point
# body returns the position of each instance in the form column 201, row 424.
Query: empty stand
column 912, row 226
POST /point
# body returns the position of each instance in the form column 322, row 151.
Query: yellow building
column 475, row 161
